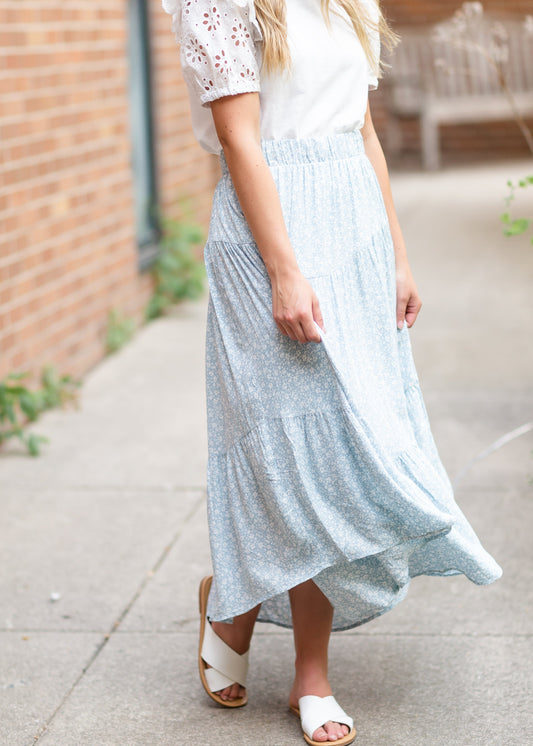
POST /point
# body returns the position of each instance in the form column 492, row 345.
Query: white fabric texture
column 221, row 52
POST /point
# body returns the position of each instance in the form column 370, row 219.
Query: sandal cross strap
column 315, row 712
column 226, row 666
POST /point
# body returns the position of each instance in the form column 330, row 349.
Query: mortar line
column 107, row 636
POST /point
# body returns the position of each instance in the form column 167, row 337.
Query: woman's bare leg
column 312, row 615
column 238, row 636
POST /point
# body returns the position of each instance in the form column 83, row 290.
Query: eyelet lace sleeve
column 218, row 41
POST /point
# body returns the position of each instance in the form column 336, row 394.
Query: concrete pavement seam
column 494, row 446
column 120, row 618
column 114, row 487
column 264, row 634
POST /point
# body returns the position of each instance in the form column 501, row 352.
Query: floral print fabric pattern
column 321, row 459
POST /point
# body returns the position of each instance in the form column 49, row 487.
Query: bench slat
column 462, row 88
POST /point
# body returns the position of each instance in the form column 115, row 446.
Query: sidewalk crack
column 494, row 446
column 120, row 618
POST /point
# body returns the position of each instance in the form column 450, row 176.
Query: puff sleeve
column 218, row 46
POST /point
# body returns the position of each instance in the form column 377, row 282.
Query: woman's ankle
column 237, row 639
column 238, row 634
column 310, row 679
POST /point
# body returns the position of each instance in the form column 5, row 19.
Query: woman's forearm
column 295, row 306
column 259, row 199
column 375, row 155
column 237, row 122
column 408, row 301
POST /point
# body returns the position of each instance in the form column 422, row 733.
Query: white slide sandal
column 314, row 712
column 226, row 666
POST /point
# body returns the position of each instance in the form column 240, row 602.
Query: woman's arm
column 294, row 304
column 408, row 302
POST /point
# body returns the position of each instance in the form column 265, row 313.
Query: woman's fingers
column 407, row 308
column 296, row 309
column 303, row 331
column 412, row 310
column 286, row 331
column 303, row 326
column 408, row 302
column 317, row 313
column 310, row 331
column 407, row 311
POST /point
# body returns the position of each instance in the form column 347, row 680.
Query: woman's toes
column 340, row 730
column 235, row 691
column 335, row 731
column 331, row 732
column 320, row 735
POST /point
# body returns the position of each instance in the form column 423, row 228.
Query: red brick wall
column 67, row 246
column 185, row 170
column 474, row 142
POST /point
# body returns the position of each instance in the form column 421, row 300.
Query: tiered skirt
column 321, row 460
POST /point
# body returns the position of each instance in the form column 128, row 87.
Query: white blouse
column 325, row 92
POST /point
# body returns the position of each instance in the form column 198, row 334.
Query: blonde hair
column 272, row 18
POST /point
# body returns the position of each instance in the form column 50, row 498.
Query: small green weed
column 178, row 274
column 19, row 405
column 515, row 226
column 119, row 330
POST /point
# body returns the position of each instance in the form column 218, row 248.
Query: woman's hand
column 295, row 306
column 408, row 302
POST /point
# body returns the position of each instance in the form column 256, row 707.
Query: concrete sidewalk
column 112, row 518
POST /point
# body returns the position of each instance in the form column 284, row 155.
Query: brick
column 67, row 250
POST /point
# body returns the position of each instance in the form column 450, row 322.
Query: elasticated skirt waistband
column 310, row 149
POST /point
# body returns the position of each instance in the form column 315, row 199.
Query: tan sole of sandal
column 205, row 587
column 350, row 738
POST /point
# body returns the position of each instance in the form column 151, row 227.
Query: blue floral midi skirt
column 321, row 460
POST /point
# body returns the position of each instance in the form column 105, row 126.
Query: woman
column 325, row 490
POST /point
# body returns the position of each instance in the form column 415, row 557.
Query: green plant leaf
column 155, row 306
column 9, row 412
column 14, row 433
column 17, row 376
column 33, row 442
column 517, row 227
column 119, row 330
column 30, row 404
column 20, row 405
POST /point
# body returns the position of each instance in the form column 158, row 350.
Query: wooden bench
column 441, row 84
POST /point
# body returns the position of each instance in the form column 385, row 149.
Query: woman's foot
column 223, row 652
column 312, row 615
column 238, row 636
column 317, row 685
